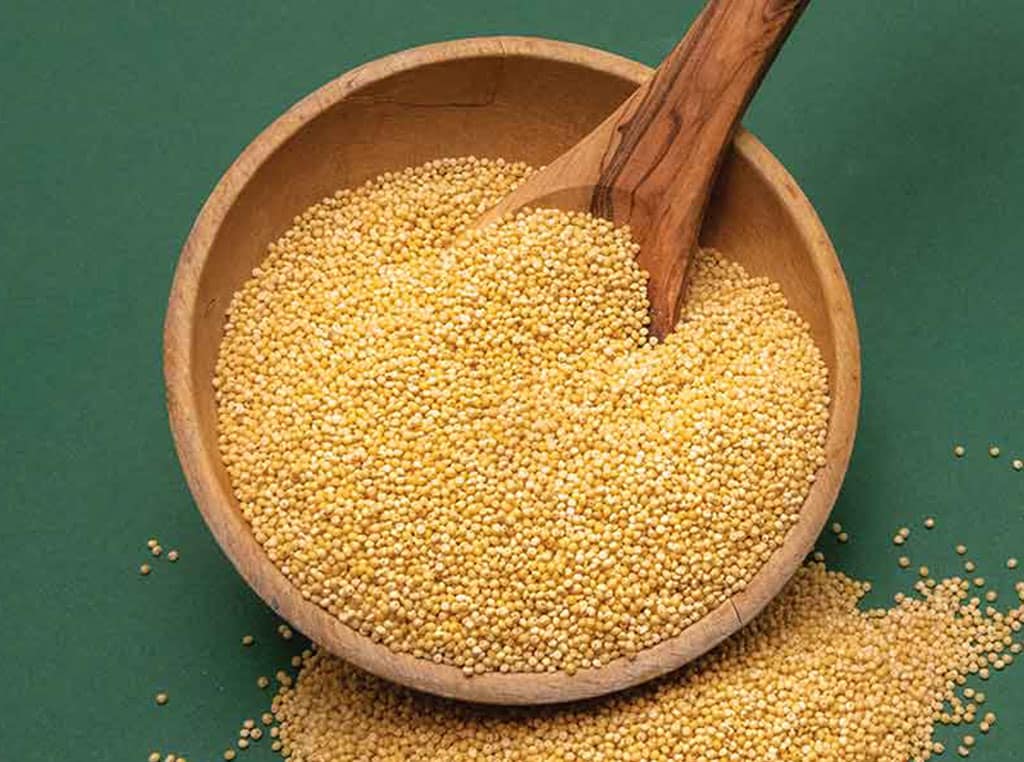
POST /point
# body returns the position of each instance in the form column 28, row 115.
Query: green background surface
column 902, row 121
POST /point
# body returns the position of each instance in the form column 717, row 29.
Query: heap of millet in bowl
column 468, row 448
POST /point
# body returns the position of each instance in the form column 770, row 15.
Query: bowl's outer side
column 519, row 98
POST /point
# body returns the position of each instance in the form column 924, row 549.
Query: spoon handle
column 665, row 143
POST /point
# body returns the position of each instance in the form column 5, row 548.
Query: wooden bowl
column 517, row 98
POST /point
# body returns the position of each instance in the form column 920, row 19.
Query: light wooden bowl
column 517, row 98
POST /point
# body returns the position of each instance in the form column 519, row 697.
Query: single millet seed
column 993, row 451
column 248, row 640
column 161, row 699
column 464, row 445
column 929, row 523
column 959, row 451
column 172, row 555
column 145, row 569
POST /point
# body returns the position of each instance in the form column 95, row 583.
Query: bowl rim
column 233, row 533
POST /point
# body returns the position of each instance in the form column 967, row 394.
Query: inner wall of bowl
column 518, row 108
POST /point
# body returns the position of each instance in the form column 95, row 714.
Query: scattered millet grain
column 818, row 556
column 230, row 754
column 1018, row 464
column 145, row 569
column 152, row 543
column 172, row 556
column 969, row 566
column 898, row 539
column 843, row 537
column 161, row 698
column 813, row 677
column 993, row 451
column 267, row 718
column 242, row 743
column 837, row 527
column 923, row 571
column 156, row 550
column 929, row 523
column 249, row 724
column 1011, row 563
column 154, row 756
column 904, row 562
column 961, row 549
column 959, row 451
column 256, row 734
column 471, row 450
column 248, row 640
column 262, row 681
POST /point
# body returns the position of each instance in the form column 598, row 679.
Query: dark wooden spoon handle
column 667, row 140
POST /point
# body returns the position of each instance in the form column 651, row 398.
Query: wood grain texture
column 651, row 163
column 518, row 98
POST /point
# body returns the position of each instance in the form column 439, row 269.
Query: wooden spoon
column 651, row 163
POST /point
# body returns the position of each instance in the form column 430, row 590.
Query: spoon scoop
column 652, row 162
